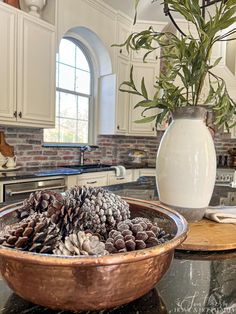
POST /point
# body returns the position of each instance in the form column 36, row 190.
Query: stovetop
column 224, row 175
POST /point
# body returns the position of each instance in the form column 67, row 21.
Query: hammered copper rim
column 49, row 259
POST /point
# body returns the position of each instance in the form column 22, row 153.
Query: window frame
column 91, row 103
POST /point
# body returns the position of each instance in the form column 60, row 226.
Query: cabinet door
column 36, row 72
column 122, row 105
column 7, row 64
column 113, row 179
column 147, row 172
column 123, row 32
column 93, row 179
column 149, row 72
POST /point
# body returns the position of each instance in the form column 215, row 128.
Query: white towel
column 120, row 171
column 221, row 214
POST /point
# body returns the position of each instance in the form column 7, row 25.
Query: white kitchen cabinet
column 8, row 20
column 114, row 105
column 117, row 113
column 135, row 173
column 123, row 31
column 123, row 99
column 27, row 69
column 36, row 72
column 103, row 178
column 149, row 72
column 147, row 172
column 113, row 179
column 93, row 179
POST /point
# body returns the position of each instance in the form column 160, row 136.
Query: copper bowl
column 91, row 283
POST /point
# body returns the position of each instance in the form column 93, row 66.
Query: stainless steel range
column 13, row 192
column 224, row 176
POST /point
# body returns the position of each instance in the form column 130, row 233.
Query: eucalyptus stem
column 187, row 59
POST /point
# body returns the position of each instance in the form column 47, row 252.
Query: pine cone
column 35, row 233
column 40, row 202
column 82, row 208
column 81, row 243
column 136, row 234
column 78, row 194
column 101, row 211
column 60, row 210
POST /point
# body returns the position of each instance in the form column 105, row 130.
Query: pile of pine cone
column 85, row 221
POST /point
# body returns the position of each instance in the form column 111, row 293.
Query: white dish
column 9, row 169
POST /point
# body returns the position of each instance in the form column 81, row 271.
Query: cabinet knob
column 15, row 114
column 118, row 127
column 120, row 50
column 20, row 114
column 153, row 129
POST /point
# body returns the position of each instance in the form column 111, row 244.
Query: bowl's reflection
column 151, row 303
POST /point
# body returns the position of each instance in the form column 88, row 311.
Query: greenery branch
column 187, row 63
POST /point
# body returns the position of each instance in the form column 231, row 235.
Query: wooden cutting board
column 5, row 149
column 207, row 235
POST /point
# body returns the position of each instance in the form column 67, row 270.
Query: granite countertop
column 195, row 283
column 35, row 172
column 28, row 173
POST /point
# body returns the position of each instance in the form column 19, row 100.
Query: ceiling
column 147, row 10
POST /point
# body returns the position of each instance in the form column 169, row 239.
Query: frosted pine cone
column 136, row 234
column 78, row 194
column 35, row 233
column 81, row 243
column 102, row 211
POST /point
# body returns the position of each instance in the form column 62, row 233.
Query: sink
column 90, row 167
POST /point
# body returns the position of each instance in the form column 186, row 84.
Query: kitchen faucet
column 85, row 148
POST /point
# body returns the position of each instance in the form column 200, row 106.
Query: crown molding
column 119, row 15
column 102, row 7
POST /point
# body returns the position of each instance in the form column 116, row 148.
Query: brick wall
column 112, row 149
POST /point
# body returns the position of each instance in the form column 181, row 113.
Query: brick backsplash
column 112, row 148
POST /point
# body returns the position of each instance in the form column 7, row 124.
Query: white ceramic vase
column 186, row 163
column 35, row 6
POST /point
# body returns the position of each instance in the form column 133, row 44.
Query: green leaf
column 217, row 61
column 144, row 90
column 186, row 62
column 136, row 3
column 146, row 119
column 146, row 103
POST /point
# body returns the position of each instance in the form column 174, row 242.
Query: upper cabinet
column 123, row 99
column 36, row 72
column 8, row 28
column 122, row 33
column 27, row 69
column 149, row 72
column 118, row 107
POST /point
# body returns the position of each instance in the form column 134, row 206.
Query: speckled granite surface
column 37, row 172
column 195, row 283
column 28, row 173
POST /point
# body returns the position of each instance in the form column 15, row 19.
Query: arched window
column 73, row 95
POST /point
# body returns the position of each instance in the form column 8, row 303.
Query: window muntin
column 73, row 95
